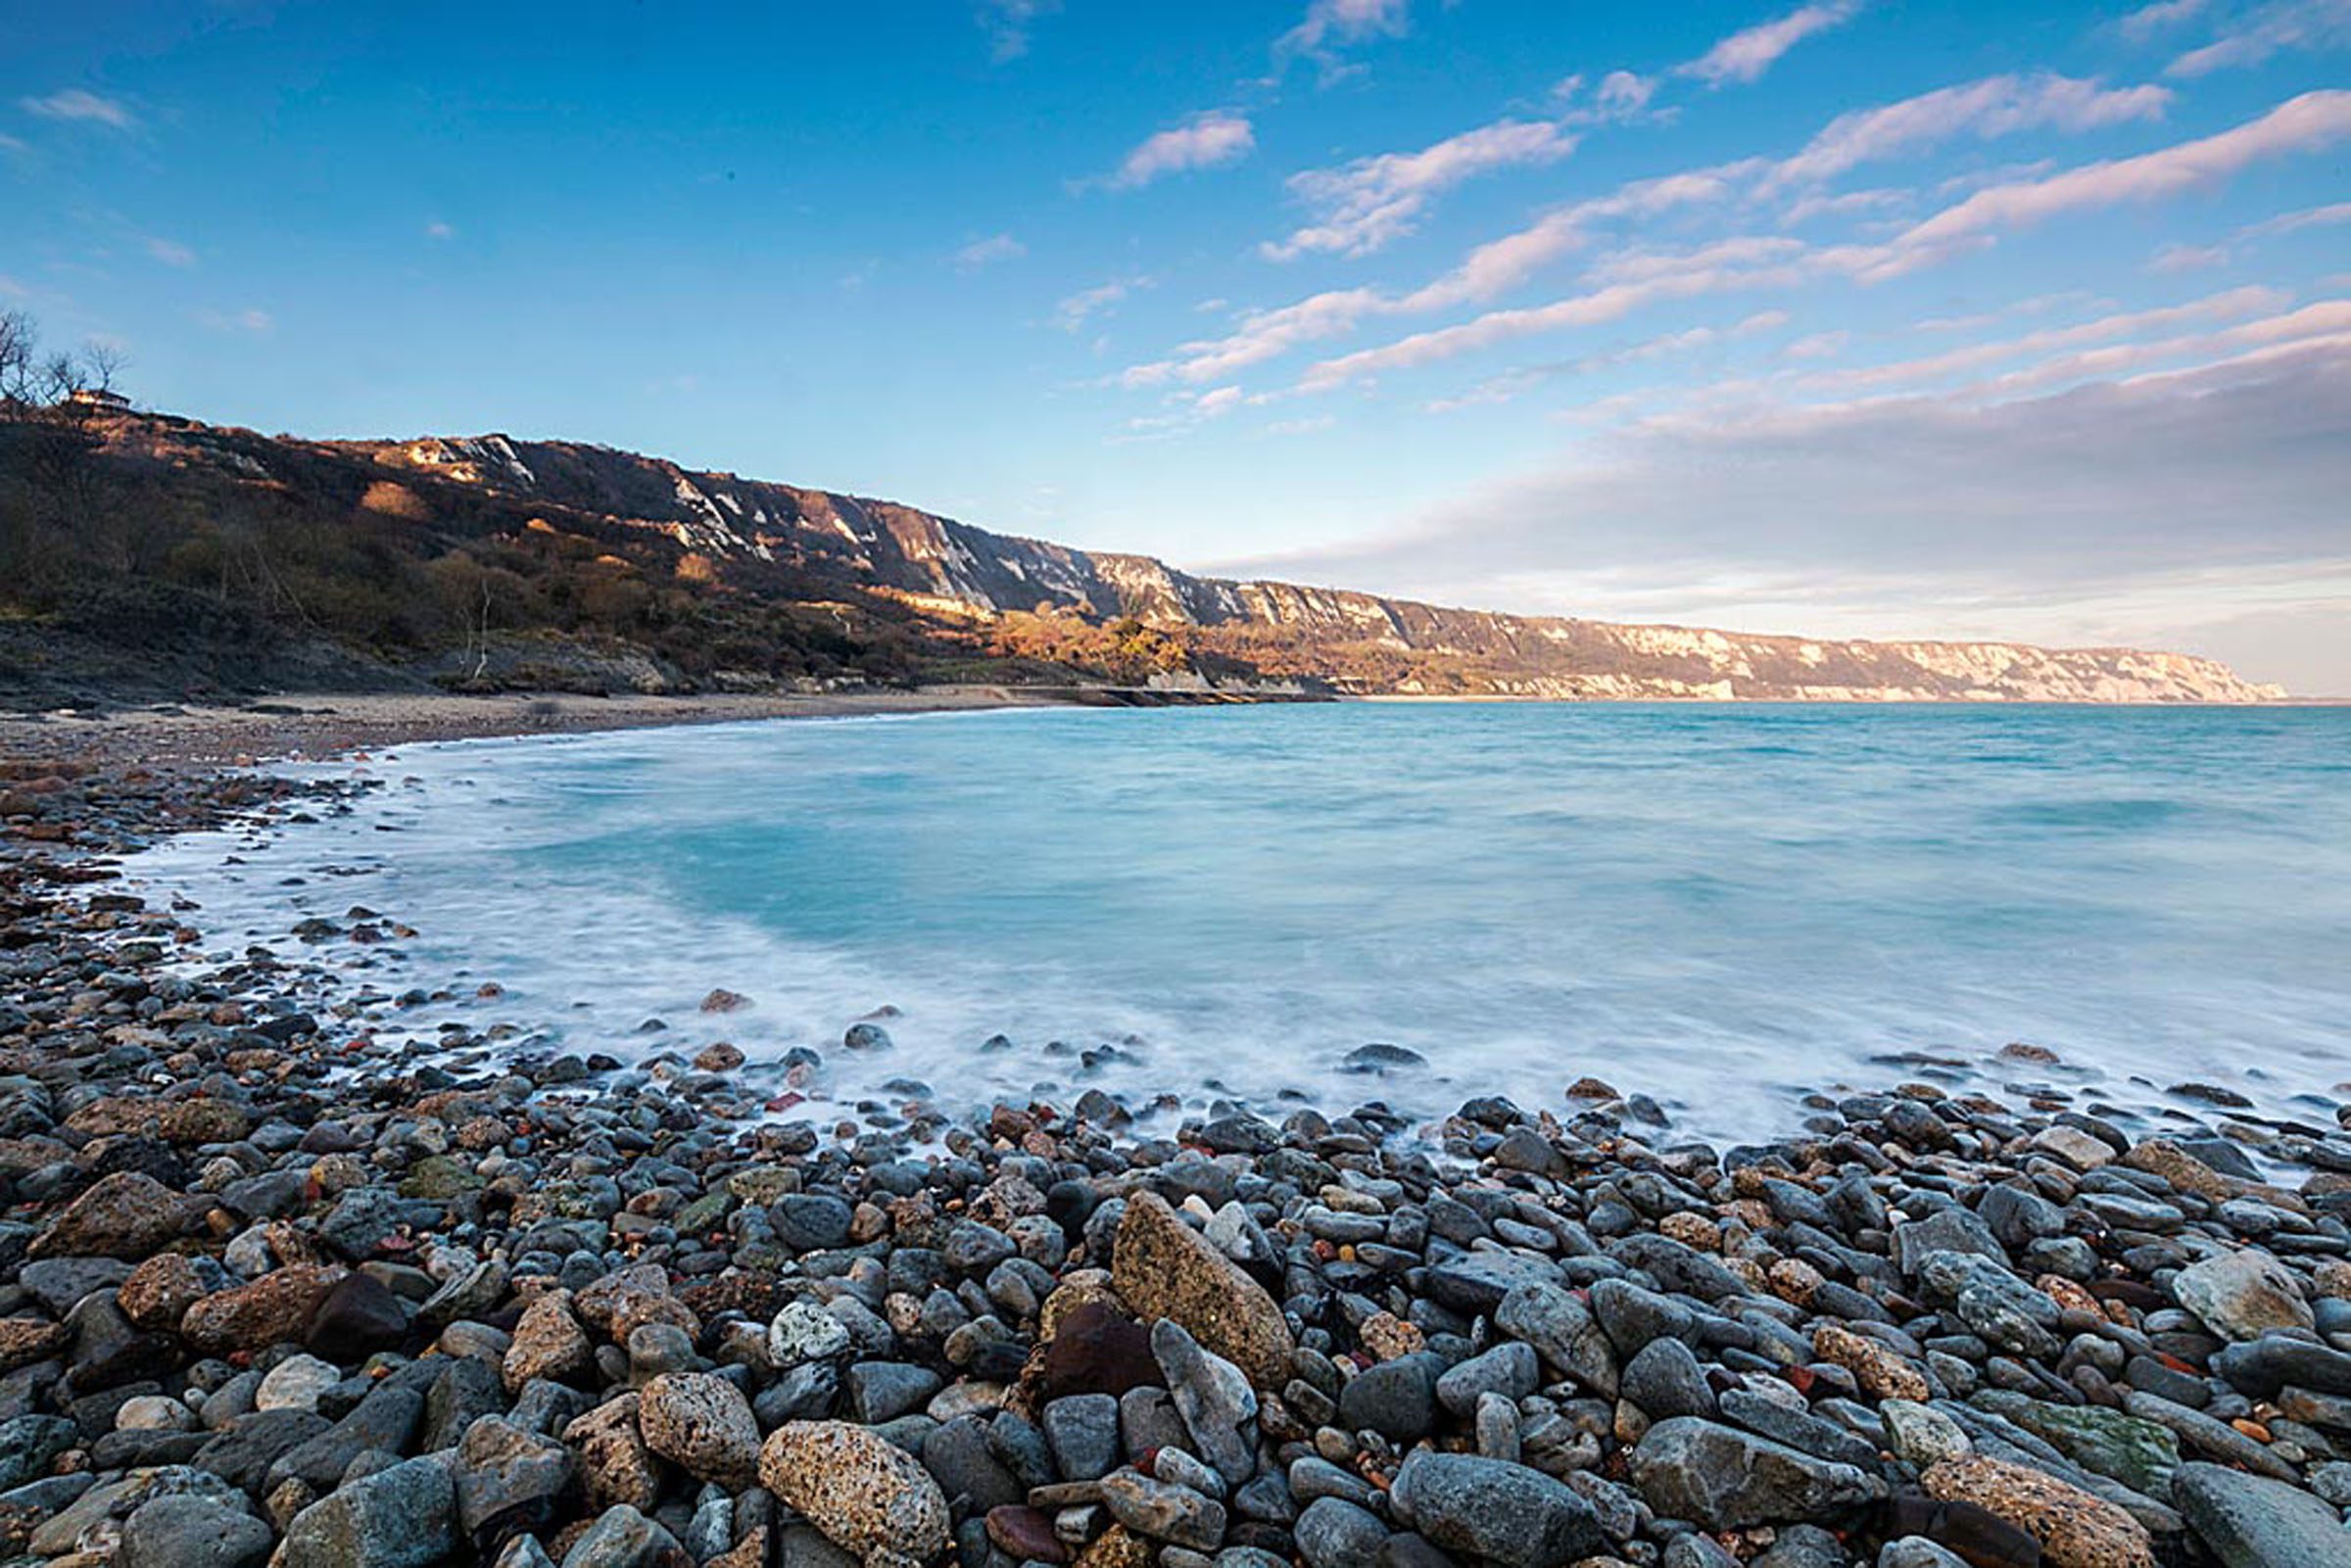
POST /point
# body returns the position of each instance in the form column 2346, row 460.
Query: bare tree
column 20, row 342
column 100, row 366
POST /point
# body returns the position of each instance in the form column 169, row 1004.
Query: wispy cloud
column 169, row 251
column 1985, row 110
column 1330, row 26
column 2296, row 222
column 2162, row 15
column 1996, row 105
column 439, row 230
column 2300, row 124
column 78, row 104
column 1210, row 139
column 1073, row 311
column 986, row 252
column 2269, row 30
column 1977, row 358
column 1362, row 206
column 2176, row 256
column 1746, row 55
column 1007, row 24
column 249, row 320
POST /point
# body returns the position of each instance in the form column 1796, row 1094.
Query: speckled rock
column 866, row 1495
column 703, row 1424
column 274, row 1309
column 1161, row 1268
column 2075, row 1529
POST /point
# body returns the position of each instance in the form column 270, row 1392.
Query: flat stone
column 1499, row 1512
column 192, row 1531
column 2253, row 1522
column 405, row 1516
column 1727, row 1479
column 2242, row 1295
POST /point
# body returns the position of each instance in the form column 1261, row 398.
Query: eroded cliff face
column 1357, row 641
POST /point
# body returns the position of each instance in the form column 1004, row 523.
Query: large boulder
column 1161, row 1268
column 866, row 1495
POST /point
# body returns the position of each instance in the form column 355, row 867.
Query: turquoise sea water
column 1719, row 905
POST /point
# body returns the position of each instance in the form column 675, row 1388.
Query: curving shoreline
column 274, row 1285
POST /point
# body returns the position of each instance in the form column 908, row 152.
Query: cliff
column 872, row 565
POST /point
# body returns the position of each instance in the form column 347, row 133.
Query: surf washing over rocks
column 1728, row 907
column 281, row 1286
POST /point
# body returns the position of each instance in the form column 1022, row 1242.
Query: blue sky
column 1846, row 317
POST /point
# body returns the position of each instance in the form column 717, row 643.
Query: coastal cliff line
column 514, row 563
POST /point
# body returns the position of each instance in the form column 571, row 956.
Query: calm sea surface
column 1722, row 906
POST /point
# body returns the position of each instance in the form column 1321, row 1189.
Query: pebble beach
column 277, row 1287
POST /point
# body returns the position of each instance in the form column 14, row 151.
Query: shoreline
column 317, row 726
column 311, row 725
column 658, row 1315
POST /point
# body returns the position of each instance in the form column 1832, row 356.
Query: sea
column 1726, row 908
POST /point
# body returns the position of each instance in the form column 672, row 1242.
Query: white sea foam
column 1721, row 907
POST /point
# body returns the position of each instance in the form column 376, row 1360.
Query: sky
column 1848, row 317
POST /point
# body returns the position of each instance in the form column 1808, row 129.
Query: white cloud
column 1819, row 346
column 1745, row 56
column 2163, row 15
column 169, row 251
column 2296, row 222
column 1330, row 26
column 1996, row 105
column 438, row 231
column 994, row 247
column 1074, row 310
column 1621, row 92
column 2300, row 124
column 1006, row 22
column 1363, row 206
column 1979, row 356
column 1208, row 140
column 245, row 320
column 2269, row 30
column 1966, row 514
column 77, row 104
column 2176, row 256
